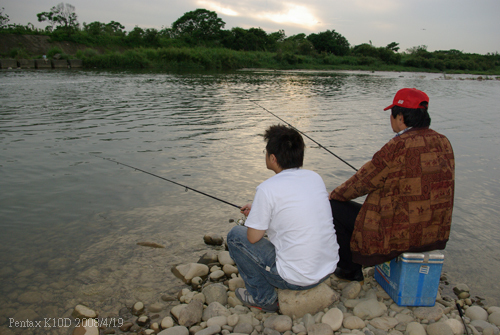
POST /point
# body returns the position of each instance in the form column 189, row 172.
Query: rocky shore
column 208, row 306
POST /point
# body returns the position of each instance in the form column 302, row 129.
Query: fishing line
column 171, row 181
column 321, row 146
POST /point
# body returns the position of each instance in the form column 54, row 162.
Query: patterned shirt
column 410, row 185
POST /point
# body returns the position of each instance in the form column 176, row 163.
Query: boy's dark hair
column 417, row 118
column 286, row 144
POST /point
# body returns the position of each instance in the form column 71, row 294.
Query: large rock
column 225, row 258
column 215, row 309
column 333, row 318
column 456, row 326
column 415, row 328
column 428, row 313
column 384, row 323
column 353, row 322
column 299, row 303
column 439, row 328
column 209, row 330
column 281, row 323
column 177, row 330
column 215, row 292
column 213, row 239
column 476, row 313
column 351, row 290
column 319, row 329
column 369, row 309
column 191, row 314
column 494, row 318
column 83, row 312
column 187, row 272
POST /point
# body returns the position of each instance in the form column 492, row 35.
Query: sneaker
column 247, row 300
column 356, row 275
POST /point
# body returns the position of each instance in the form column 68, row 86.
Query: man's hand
column 245, row 210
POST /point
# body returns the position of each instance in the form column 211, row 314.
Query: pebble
column 209, row 306
column 476, row 313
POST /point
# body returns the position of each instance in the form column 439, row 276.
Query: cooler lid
column 434, row 256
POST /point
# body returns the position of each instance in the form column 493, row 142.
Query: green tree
column 331, row 42
column 62, row 16
column 4, row 19
column 393, row 46
column 198, row 25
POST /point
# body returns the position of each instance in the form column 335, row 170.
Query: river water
column 70, row 222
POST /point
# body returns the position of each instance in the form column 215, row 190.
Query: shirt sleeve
column 261, row 213
column 370, row 177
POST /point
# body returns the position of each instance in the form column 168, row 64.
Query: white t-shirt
column 293, row 207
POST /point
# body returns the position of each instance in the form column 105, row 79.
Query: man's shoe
column 356, row 275
column 247, row 300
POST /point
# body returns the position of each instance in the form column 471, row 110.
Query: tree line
column 203, row 28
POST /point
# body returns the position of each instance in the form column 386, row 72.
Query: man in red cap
column 409, row 185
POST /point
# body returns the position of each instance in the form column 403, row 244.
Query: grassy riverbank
column 198, row 58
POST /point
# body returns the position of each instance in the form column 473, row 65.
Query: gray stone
column 177, row 330
column 187, row 272
column 415, row 328
column 235, row 283
column 308, row 320
column 404, row 318
column 243, row 328
column 439, row 328
column 229, row 269
column 384, row 323
column 351, row 290
column 217, row 320
column 481, row 325
column 59, row 64
column 209, row 257
column 213, row 239
column 299, row 303
column 167, row 322
column 191, row 314
column 215, row 292
column 75, row 63
column 216, row 275
column 493, row 309
column 225, row 258
column 269, row 331
column 215, row 309
column 156, row 307
column 369, row 309
column 476, row 313
column 281, row 323
column 83, row 312
column 428, row 313
column 459, row 288
column 353, row 322
column 319, row 329
column 176, row 310
column 333, row 318
column 456, row 326
column 232, row 320
column 209, row 330
column 299, row 328
column 494, row 318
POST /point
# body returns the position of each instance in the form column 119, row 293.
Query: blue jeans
column 257, row 266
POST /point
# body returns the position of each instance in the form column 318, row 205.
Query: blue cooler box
column 411, row 279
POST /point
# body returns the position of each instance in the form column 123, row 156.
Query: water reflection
column 71, row 221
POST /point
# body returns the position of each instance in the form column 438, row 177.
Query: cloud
column 210, row 5
column 291, row 14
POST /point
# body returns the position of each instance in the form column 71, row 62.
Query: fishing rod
column 303, row 134
column 171, row 181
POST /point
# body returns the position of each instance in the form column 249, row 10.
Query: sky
column 470, row 26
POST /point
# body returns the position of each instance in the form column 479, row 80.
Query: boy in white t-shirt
column 293, row 208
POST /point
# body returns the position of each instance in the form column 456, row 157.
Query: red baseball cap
column 408, row 98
